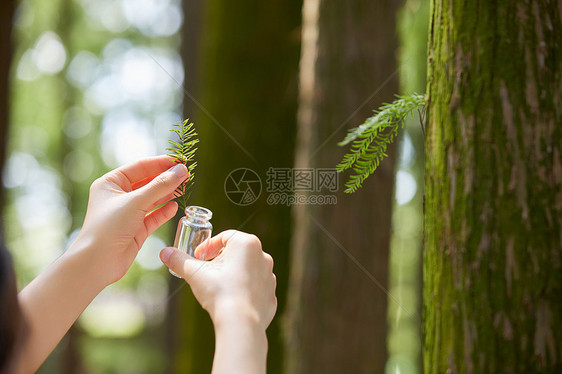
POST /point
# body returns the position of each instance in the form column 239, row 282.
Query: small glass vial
column 193, row 229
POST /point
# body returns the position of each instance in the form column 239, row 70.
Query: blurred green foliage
column 95, row 84
column 404, row 340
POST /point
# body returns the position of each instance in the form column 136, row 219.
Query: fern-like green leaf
column 371, row 139
column 183, row 151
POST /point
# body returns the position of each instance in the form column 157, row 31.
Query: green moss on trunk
column 493, row 208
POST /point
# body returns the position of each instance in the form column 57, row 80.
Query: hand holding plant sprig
column 125, row 206
column 183, row 152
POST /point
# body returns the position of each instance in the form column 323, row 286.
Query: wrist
column 240, row 339
column 228, row 310
column 83, row 257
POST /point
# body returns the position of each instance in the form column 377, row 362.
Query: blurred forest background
column 95, row 84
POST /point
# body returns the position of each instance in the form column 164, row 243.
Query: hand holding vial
column 237, row 288
column 241, row 274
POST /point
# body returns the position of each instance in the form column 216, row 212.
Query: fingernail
column 179, row 170
column 165, row 254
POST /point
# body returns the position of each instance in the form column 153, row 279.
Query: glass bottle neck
column 198, row 215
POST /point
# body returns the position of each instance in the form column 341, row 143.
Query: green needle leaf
column 370, row 140
column 183, row 151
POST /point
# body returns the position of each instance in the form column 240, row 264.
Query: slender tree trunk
column 244, row 105
column 7, row 8
column 339, row 268
column 493, row 219
column 77, row 193
column 180, row 326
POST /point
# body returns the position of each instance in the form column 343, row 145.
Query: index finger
column 146, row 167
column 212, row 247
column 205, row 252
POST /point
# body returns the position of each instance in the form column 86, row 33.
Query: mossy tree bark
column 244, row 105
column 493, row 208
column 337, row 308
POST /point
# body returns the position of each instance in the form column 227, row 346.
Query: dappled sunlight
column 406, row 187
column 85, row 104
column 48, row 56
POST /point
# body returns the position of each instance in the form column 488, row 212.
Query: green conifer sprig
column 371, row 139
column 183, row 151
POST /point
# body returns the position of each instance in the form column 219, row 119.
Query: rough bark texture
column 493, row 219
column 336, row 320
column 245, row 113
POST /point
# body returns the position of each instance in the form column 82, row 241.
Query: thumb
column 180, row 262
column 162, row 185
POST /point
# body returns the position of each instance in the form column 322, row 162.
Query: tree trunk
column 6, row 21
column 245, row 115
column 69, row 351
column 180, row 329
column 493, row 219
column 337, row 305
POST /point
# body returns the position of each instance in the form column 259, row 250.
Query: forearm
column 52, row 302
column 240, row 345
